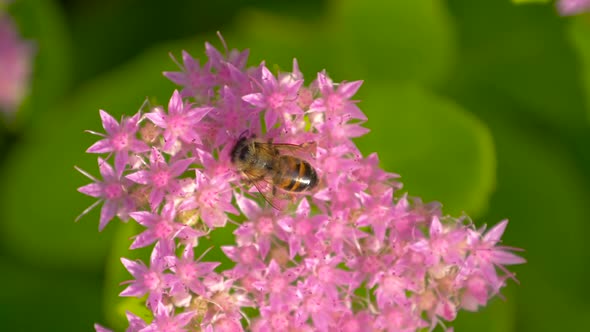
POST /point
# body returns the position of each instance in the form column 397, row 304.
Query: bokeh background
column 481, row 105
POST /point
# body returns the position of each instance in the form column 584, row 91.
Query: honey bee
column 266, row 162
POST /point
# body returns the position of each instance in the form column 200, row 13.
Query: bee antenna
column 245, row 133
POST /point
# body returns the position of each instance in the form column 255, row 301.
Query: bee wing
column 304, row 150
column 268, row 191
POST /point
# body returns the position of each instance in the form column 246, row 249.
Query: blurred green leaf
column 121, row 29
column 37, row 299
column 395, row 40
column 579, row 34
column 277, row 40
column 543, row 190
column 38, row 221
column 442, row 152
column 520, row 53
column 497, row 316
column 114, row 306
column 544, row 193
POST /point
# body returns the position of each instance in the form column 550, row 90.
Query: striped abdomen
column 295, row 175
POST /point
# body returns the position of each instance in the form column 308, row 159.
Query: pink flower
column 277, row 98
column 135, row 323
column 350, row 254
column 189, row 273
column 486, row 256
column 99, row 328
column 278, row 285
column 316, row 306
column 161, row 177
column 336, row 103
column 261, row 227
column 212, row 199
column 197, row 81
column 16, row 62
column 300, row 230
column 247, row 258
column 120, row 139
column 179, row 123
column 162, row 228
column 572, row 7
column 167, row 321
column 152, row 281
column 279, row 318
column 229, row 69
column 113, row 191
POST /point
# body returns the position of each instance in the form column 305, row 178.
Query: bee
column 274, row 164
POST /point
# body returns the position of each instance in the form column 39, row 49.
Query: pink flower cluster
column 347, row 256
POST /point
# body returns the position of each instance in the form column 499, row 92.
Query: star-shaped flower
column 277, row 98
column 152, row 280
column 119, row 139
column 160, row 178
column 112, row 190
column 180, row 122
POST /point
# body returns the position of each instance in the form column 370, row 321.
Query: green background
column 481, row 105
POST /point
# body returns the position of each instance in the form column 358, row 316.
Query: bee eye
column 243, row 154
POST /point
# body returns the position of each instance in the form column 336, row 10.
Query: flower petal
column 255, row 99
column 121, row 160
column 93, row 189
column 143, row 239
column 493, row 235
column 110, row 125
column 102, row 146
column 158, row 118
column 141, row 177
column 106, row 171
column 179, row 167
column 107, row 213
column 144, row 218
column 176, row 105
column 349, row 89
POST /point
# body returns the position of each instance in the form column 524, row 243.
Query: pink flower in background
column 572, row 7
column 301, row 266
column 16, row 62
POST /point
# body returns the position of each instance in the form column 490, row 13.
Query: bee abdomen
column 298, row 175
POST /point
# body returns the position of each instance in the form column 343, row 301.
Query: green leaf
column 442, row 152
column 113, row 305
column 520, row 53
column 579, row 35
column 40, row 181
column 277, row 40
column 544, row 192
column 395, row 40
column 36, row 299
column 497, row 316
